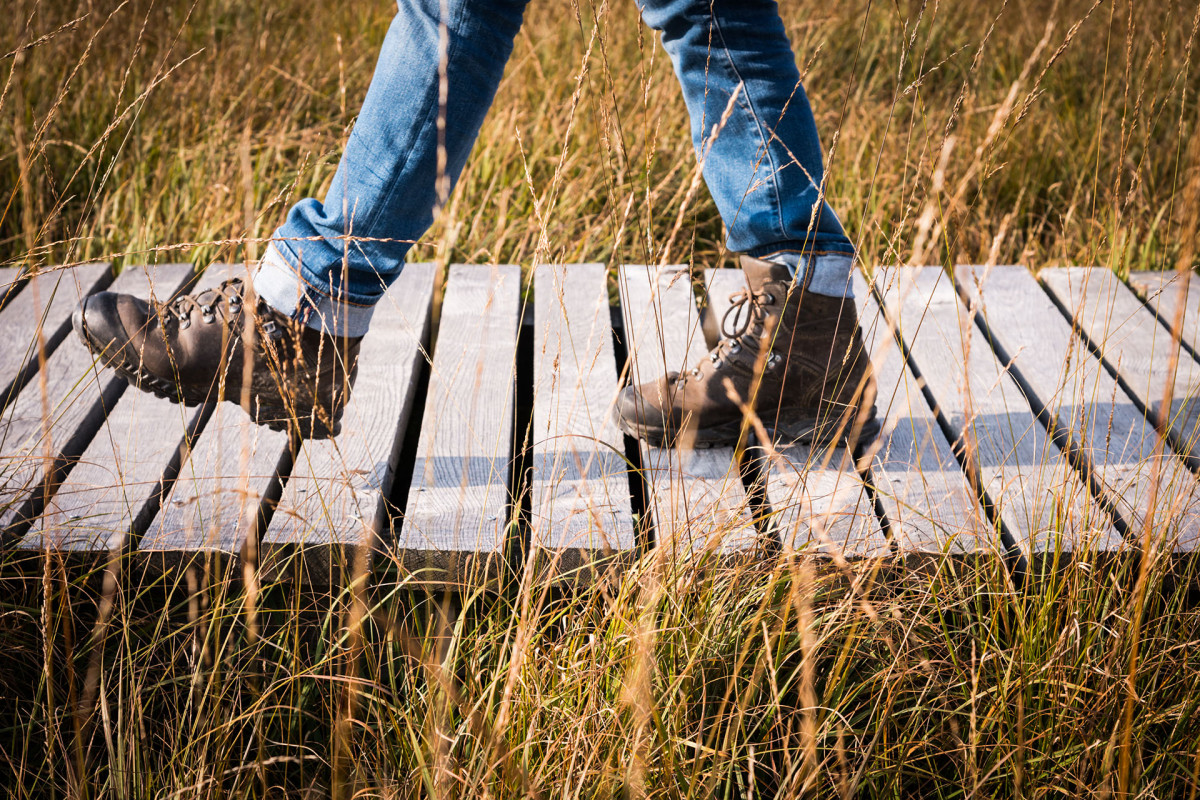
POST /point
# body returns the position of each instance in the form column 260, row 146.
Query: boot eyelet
column 184, row 323
column 773, row 360
column 734, row 348
column 770, row 299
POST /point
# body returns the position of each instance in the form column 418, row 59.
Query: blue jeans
column 331, row 261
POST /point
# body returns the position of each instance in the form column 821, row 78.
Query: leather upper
column 203, row 347
column 786, row 354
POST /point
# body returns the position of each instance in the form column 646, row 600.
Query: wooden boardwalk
column 1026, row 417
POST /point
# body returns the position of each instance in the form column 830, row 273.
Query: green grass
column 1025, row 132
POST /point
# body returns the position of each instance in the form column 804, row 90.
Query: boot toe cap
column 626, row 407
column 109, row 319
column 639, row 412
column 96, row 320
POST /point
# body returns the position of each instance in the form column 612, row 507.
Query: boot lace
column 207, row 302
column 746, row 308
column 757, row 302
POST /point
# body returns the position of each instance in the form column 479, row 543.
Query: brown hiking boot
column 798, row 360
column 224, row 344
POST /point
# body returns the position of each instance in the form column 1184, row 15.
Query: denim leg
column 764, row 168
column 317, row 269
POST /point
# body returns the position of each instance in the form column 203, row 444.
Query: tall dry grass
column 772, row 683
column 1033, row 132
column 148, row 130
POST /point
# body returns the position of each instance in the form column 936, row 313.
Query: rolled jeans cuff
column 820, row 273
column 284, row 289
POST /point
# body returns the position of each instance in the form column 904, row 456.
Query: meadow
column 1031, row 132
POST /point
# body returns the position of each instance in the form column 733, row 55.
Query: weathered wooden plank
column 11, row 282
column 115, row 488
column 581, row 509
column 457, row 514
column 335, row 497
column 929, row 504
column 215, row 501
column 1059, row 374
column 44, row 305
column 42, row 435
column 1160, row 291
column 1134, row 346
column 817, row 498
column 233, row 467
column 1041, row 500
column 696, row 497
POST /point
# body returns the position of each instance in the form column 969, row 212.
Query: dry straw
column 1021, row 132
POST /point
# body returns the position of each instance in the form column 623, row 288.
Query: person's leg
column 331, row 261
column 287, row 352
column 798, row 358
column 764, row 168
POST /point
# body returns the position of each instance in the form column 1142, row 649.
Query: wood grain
column 79, row 393
column 10, row 284
column 817, row 498
column 1134, row 346
column 115, row 488
column 929, row 504
column 335, row 497
column 45, row 304
column 581, row 510
column 232, row 469
column 1044, row 506
column 1160, row 291
column 696, row 497
column 1105, row 426
column 457, row 516
column 216, row 500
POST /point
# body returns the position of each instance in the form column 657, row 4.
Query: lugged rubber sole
column 697, row 438
column 811, row 432
column 805, row 430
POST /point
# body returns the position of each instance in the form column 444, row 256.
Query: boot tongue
column 759, row 272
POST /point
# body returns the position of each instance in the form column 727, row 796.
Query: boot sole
column 273, row 417
column 822, row 434
column 806, row 431
column 699, row 438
